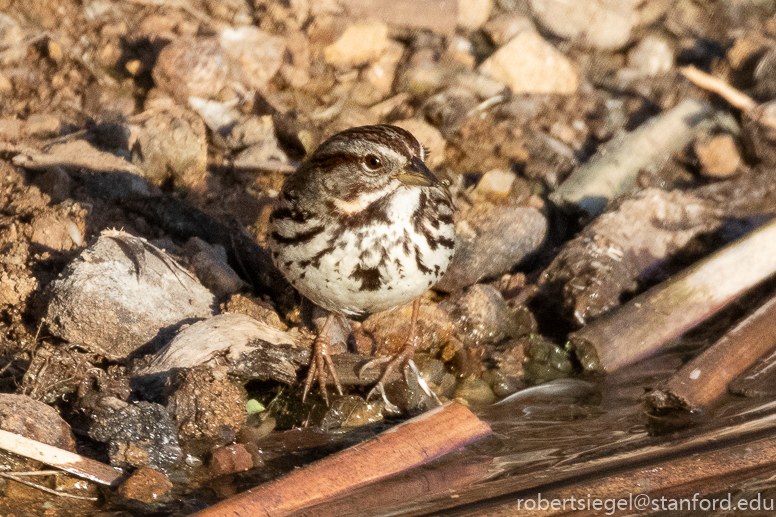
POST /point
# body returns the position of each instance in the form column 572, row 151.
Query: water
column 564, row 433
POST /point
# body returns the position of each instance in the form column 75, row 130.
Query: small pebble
column 652, row 56
column 718, row 156
column 529, row 64
column 361, row 43
column 230, row 459
column 147, row 486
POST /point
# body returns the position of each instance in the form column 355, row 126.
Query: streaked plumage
column 363, row 226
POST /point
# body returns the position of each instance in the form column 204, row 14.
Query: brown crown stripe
column 390, row 136
column 330, row 161
column 299, row 238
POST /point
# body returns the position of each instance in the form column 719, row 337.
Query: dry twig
column 411, row 444
column 68, row 461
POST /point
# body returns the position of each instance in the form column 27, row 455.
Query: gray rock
column 652, row 56
column 121, row 293
column 481, row 316
column 190, row 67
column 490, row 241
column 212, row 268
column 601, row 24
column 139, row 435
column 529, row 64
column 252, row 349
column 171, row 144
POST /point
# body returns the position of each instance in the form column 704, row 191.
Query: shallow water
column 558, row 434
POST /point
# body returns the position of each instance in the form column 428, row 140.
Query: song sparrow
column 362, row 226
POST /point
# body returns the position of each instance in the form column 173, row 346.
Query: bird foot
column 403, row 359
column 320, row 362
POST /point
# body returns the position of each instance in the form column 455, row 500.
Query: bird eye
column 372, row 162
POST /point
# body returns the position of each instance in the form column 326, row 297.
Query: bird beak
column 416, row 174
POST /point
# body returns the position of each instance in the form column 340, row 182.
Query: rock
column 206, row 405
column 473, row 13
column 349, row 412
column 503, row 28
column 5, row 84
column 490, row 241
column 361, row 43
column 600, row 24
column 652, row 56
column 386, row 332
column 230, row 459
column 509, row 377
column 42, row 126
column 481, row 316
column 234, row 12
column 171, row 144
column 252, row 349
column 140, row 434
column 528, row 64
column 494, row 186
column 122, row 293
column 192, row 67
column 545, row 360
column 147, row 486
column 11, row 129
column 234, row 130
column 382, row 72
column 475, row 391
column 11, row 33
column 440, row 17
column 211, row 267
column 55, row 232
column 33, row 419
column 428, row 136
column 257, row 53
column 55, row 183
column 718, row 155
column 426, row 77
column 256, row 309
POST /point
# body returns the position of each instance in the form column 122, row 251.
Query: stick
column 18, row 477
column 614, row 169
column 640, row 488
column 762, row 113
column 708, row 82
column 705, row 378
column 68, row 461
column 634, row 454
column 413, row 443
column 644, row 324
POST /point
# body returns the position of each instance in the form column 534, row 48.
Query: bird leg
column 320, row 361
column 402, row 359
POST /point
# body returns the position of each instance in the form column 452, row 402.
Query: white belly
column 374, row 268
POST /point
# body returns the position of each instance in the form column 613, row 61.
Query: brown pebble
column 147, row 486
column 718, row 156
column 229, row 459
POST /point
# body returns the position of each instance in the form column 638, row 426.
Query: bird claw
column 389, row 406
column 407, row 364
column 377, row 361
column 421, row 382
column 321, row 361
